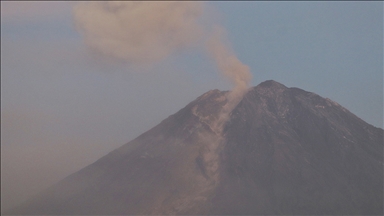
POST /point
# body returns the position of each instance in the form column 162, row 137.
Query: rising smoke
column 138, row 32
column 142, row 32
column 232, row 68
column 147, row 32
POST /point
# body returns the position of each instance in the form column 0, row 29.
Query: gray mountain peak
column 282, row 151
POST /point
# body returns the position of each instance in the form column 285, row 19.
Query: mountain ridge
column 282, row 151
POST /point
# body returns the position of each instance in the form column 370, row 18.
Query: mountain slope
column 282, row 151
column 302, row 154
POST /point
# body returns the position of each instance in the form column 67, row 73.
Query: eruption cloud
column 142, row 33
column 138, row 32
column 232, row 69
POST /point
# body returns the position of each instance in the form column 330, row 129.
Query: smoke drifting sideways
column 138, row 32
column 143, row 32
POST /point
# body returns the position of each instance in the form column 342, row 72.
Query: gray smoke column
column 142, row 33
column 232, row 69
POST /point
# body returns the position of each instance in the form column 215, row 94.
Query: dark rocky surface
column 283, row 151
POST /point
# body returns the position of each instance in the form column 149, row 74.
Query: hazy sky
column 63, row 107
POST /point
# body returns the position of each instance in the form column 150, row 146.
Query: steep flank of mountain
column 289, row 151
column 159, row 172
column 282, row 151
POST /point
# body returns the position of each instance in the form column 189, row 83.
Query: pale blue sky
column 63, row 107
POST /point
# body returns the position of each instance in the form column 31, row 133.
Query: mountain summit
column 281, row 151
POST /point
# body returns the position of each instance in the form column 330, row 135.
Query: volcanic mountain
column 281, row 151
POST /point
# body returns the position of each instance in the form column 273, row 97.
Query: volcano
column 281, row 151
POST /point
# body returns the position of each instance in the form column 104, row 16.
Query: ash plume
column 138, row 32
column 142, row 33
column 232, row 69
